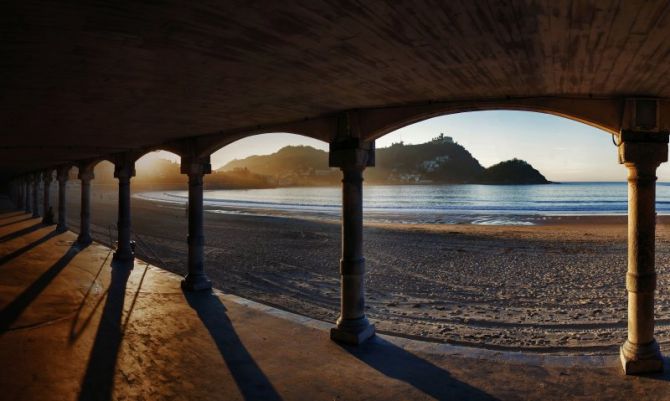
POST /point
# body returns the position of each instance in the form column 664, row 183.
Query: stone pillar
column 18, row 194
column 36, row 191
column 62, row 177
column 641, row 153
column 47, row 215
column 196, row 279
column 26, row 194
column 85, row 176
column 352, row 156
column 124, row 170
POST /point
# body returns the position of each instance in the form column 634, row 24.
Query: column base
column 84, row 240
column 352, row 334
column 123, row 260
column 62, row 229
column 35, row 215
column 198, row 282
column 637, row 359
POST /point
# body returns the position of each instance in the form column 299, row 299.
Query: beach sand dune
column 557, row 287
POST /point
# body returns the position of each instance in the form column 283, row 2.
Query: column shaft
column 85, row 211
column 352, row 263
column 196, row 279
column 641, row 353
column 124, row 252
column 36, row 190
column 353, row 326
column 47, row 216
column 641, row 153
column 26, row 196
column 62, row 205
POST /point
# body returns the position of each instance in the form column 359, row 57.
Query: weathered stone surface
column 184, row 69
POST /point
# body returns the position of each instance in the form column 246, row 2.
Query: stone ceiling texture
column 80, row 79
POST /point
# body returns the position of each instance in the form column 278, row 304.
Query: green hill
column 513, row 171
column 440, row 161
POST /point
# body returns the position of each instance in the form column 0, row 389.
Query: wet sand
column 554, row 287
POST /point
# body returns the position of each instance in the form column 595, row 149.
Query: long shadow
column 27, row 247
column 98, row 382
column 19, row 233
column 11, row 214
column 399, row 364
column 76, row 331
column 14, row 309
column 15, row 222
column 250, row 379
column 661, row 376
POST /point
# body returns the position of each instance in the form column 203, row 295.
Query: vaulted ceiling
column 80, row 79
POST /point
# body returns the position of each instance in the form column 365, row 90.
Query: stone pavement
column 73, row 328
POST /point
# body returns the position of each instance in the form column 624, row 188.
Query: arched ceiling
column 80, row 79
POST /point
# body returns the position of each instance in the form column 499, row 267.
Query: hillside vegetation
column 440, row 161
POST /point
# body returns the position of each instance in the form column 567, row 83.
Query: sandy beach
column 554, row 287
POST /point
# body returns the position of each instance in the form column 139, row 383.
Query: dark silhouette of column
column 36, row 191
column 196, row 279
column 85, row 176
column 124, row 170
column 641, row 153
column 47, row 215
column 62, row 177
column 18, row 193
column 352, row 156
column 26, row 194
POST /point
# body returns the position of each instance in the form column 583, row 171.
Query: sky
column 561, row 149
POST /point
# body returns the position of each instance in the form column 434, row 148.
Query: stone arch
column 235, row 139
column 605, row 114
column 322, row 129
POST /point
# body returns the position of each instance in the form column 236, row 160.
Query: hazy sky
column 562, row 149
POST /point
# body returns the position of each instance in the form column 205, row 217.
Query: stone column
column 196, row 279
column 47, row 215
column 352, row 156
column 641, row 153
column 18, row 194
column 62, row 177
column 85, row 176
column 26, row 194
column 36, row 191
column 124, row 170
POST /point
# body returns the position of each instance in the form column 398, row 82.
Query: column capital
column 124, row 167
column 196, row 166
column 47, row 176
column 63, row 173
column 351, row 153
column 643, row 148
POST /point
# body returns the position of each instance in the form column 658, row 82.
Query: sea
column 430, row 204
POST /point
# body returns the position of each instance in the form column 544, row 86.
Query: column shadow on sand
column 661, row 376
column 14, row 309
column 250, row 379
column 26, row 248
column 395, row 362
column 14, row 222
column 98, row 382
column 21, row 232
